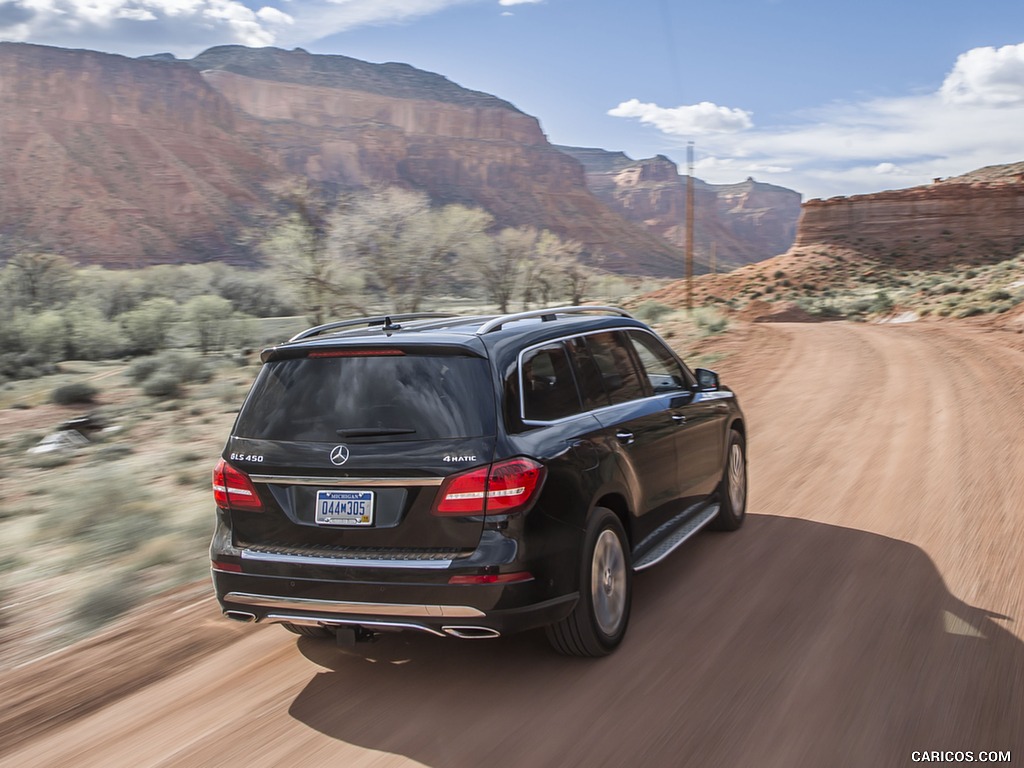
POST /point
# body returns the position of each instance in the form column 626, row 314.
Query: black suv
column 470, row 476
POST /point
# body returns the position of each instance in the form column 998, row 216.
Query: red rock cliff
column 120, row 161
column 975, row 217
column 742, row 223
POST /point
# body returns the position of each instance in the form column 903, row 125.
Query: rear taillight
column 501, row 488
column 232, row 488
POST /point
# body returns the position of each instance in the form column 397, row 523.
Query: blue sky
column 823, row 97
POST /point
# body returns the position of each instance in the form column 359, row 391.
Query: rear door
column 347, row 449
column 635, row 424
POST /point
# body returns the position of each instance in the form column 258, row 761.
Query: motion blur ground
column 870, row 607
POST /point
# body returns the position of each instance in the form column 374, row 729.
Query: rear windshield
column 409, row 397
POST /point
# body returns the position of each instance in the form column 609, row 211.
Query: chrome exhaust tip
column 244, row 616
column 472, row 633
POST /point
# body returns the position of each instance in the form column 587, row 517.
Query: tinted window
column 410, row 397
column 614, row 365
column 663, row 371
column 549, row 389
column 588, row 375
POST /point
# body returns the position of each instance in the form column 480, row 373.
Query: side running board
column 673, row 534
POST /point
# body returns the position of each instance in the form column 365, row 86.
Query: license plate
column 344, row 507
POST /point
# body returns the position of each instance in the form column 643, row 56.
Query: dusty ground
column 872, row 606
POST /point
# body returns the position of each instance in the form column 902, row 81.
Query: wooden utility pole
column 689, row 226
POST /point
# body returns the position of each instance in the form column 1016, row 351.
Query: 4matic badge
column 460, row 458
column 339, row 454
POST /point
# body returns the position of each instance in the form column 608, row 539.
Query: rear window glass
column 409, row 397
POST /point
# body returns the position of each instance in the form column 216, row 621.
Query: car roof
column 474, row 333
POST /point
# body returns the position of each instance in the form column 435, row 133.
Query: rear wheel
column 598, row 623
column 732, row 491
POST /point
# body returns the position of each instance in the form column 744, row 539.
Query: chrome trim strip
column 705, row 396
column 497, row 322
column 354, row 482
column 472, row 633
column 349, row 562
column 313, row 621
column 342, row 606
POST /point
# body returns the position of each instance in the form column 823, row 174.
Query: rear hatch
column 347, row 449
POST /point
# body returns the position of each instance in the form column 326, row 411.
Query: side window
column 548, row 387
column 614, row 363
column 663, row 371
column 588, row 375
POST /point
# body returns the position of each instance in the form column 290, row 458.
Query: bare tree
column 406, row 248
column 35, row 281
column 500, row 268
column 298, row 252
column 559, row 271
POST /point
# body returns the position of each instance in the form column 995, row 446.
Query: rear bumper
column 397, row 593
column 460, row 611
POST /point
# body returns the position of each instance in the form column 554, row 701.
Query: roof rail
column 387, row 321
column 546, row 315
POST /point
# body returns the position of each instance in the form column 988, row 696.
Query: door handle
column 624, row 436
column 678, row 418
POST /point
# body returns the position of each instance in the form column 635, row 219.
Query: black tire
column 732, row 500
column 598, row 623
column 308, row 631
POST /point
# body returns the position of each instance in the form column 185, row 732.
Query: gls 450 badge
column 460, row 458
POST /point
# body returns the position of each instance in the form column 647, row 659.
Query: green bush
column 106, row 602
column 162, row 385
column 143, row 368
column 72, row 394
column 710, row 321
column 652, row 311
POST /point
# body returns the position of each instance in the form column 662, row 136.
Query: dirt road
column 872, row 606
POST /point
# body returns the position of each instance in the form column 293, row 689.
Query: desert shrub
column 969, row 311
column 188, row 368
column 999, row 295
column 142, row 368
column 779, row 274
column 105, row 602
column 881, row 303
column 73, row 394
column 652, row 311
column 710, row 321
column 769, row 289
column 162, row 385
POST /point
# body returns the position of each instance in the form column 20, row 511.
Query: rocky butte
column 975, row 217
column 741, row 223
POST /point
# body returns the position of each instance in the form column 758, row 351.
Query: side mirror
column 707, row 381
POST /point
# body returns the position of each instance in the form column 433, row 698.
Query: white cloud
column 185, row 27
column 973, row 120
column 519, row 2
column 987, row 76
column 691, row 120
column 274, row 16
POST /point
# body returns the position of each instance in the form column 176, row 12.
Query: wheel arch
column 616, row 502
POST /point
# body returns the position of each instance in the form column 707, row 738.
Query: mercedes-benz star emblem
column 339, row 454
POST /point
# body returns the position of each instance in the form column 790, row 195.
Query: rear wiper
column 372, row 431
